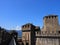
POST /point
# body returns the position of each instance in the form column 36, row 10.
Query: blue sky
column 15, row 13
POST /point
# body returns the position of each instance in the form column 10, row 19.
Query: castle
column 48, row 35
column 33, row 35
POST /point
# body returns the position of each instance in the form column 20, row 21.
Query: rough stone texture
column 51, row 22
column 47, row 41
column 28, row 33
column 48, row 35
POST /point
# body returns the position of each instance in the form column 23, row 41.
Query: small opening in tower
column 49, row 16
column 55, row 16
column 22, row 26
column 59, row 32
column 52, row 16
column 25, row 26
column 27, row 43
column 46, row 17
column 28, row 25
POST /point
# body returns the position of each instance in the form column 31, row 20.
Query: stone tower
column 51, row 23
column 28, row 34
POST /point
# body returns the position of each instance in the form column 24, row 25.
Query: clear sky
column 15, row 13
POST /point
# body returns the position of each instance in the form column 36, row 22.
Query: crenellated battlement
column 50, row 16
column 28, row 26
column 48, row 33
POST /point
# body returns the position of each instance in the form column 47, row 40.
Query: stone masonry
column 48, row 35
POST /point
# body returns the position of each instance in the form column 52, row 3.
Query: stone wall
column 47, row 41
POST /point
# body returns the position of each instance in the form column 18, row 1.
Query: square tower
column 51, row 23
column 28, row 34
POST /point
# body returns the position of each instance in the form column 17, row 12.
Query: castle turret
column 28, row 33
column 51, row 22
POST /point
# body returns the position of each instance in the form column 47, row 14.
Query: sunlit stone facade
column 48, row 35
column 47, row 41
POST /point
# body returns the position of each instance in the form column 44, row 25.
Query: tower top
column 51, row 15
column 30, row 26
column 51, row 22
column 27, row 24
